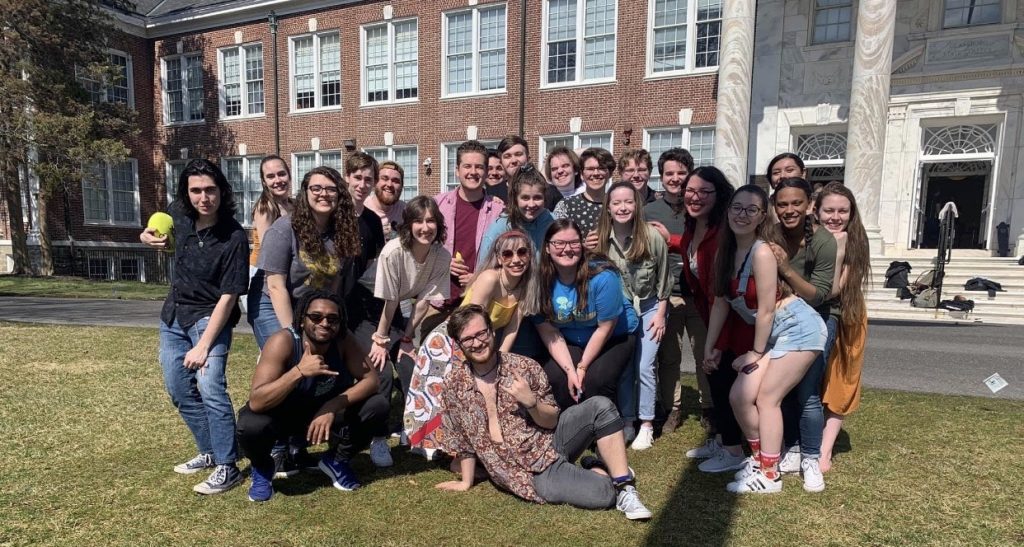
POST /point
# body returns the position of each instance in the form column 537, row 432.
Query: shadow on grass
column 698, row 510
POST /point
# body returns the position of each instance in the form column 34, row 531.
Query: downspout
column 522, row 68
column 272, row 19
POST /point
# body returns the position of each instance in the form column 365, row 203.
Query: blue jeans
column 644, row 366
column 802, row 415
column 262, row 317
column 201, row 399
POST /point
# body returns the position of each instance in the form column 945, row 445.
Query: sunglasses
column 521, row 252
column 332, row 318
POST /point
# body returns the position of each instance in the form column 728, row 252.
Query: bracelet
column 758, row 352
column 380, row 340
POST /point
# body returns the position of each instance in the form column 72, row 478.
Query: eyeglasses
column 318, row 189
column 702, row 193
column 332, row 318
column 737, row 210
column 521, row 252
column 481, row 337
column 560, row 245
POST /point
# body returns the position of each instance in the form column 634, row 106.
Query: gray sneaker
column 223, row 478
column 195, row 465
column 629, row 503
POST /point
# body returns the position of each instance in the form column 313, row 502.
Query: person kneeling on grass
column 314, row 380
column 498, row 409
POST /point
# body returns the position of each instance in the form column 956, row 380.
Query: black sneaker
column 284, row 466
column 195, row 465
column 301, row 459
column 223, row 478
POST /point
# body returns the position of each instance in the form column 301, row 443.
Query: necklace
column 203, row 237
column 486, row 374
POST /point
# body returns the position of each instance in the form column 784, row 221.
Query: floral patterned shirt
column 527, row 449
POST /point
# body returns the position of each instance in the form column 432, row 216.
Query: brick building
column 402, row 80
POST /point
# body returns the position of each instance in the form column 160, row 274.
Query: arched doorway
column 956, row 165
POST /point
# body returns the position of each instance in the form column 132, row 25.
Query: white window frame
column 170, row 181
column 242, row 82
column 581, row 13
column 691, row 43
column 185, row 104
column 448, row 153
column 577, row 140
column 104, row 86
column 240, row 197
column 317, row 162
column 392, row 78
column 408, row 191
column 475, row 91
column 685, row 142
column 108, row 178
column 317, row 73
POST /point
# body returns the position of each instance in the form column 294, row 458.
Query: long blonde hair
column 514, row 239
column 640, row 246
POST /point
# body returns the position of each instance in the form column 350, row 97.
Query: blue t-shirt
column 605, row 301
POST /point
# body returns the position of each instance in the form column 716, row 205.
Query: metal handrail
column 947, row 233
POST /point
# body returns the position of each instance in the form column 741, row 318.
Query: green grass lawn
column 76, row 287
column 90, row 439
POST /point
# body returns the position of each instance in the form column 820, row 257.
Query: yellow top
column 501, row 312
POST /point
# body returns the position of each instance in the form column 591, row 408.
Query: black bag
column 1021, row 261
column 982, row 284
column 898, row 275
column 957, row 304
column 904, row 293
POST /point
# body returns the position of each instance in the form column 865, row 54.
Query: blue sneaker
column 341, row 474
column 262, row 487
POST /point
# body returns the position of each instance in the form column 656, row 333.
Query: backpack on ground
column 927, row 298
column 898, row 275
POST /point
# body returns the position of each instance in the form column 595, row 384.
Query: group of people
column 521, row 318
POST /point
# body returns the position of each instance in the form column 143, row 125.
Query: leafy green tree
column 53, row 60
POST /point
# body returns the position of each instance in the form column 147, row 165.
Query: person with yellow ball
column 210, row 271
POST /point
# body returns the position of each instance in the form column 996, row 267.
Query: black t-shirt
column 360, row 304
column 498, row 190
column 675, row 221
column 207, row 264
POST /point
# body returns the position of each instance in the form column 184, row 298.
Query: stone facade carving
column 968, row 49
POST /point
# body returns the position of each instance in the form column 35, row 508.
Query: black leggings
column 602, row 377
column 721, row 381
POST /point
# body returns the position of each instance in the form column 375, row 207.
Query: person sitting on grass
column 311, row 380
column 498, row 409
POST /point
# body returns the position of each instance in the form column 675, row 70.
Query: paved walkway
column 949, row 359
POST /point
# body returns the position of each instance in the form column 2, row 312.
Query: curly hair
column 308, row 298
column 857, row 261
column 587, row 268
column 341, row 226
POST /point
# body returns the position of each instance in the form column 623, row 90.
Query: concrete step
column 1007, row 304
column 956, row 282
column 903, row 309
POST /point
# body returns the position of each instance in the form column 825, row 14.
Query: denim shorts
column 796, row 327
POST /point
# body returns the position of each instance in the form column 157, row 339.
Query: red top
column 737, row 335
column 706, row 249
column 466, row 215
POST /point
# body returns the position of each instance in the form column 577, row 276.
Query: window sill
column 475, row 95
column 828, row 45
column 103, row 224
column 314, row 111
column 378, row 104
column 573, row 85
column 681, row 74
column 184, row 124
column 248, row 117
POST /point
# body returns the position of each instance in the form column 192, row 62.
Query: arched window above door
column 959, row 140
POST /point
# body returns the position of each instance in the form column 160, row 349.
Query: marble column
column 869, row 104
column 735, row 61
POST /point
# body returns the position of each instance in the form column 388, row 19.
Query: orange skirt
column 841, row 391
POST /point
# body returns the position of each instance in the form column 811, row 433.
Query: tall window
column 116, row 88
column 575, row 142
column 451, row 180
column 110, row 194
column 316, row 71
column 685, row 35
column 391, row 62
column 474, row 50
column 964, row 13
column 303, row 162
column 243, row 173
column 579, row 41
column 408, row 158
column 700, row 141
column 173, row 170
column 832, row 20
column 183, row 88
column 241, row 76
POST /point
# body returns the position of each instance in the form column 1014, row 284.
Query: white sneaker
column 707, row 450
column 750, row 466
column 380, row 453
column 629, row 503
column 790, row 463
column 813, row 480
column 756, row 484
column 644, row 439
column 721, row 462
